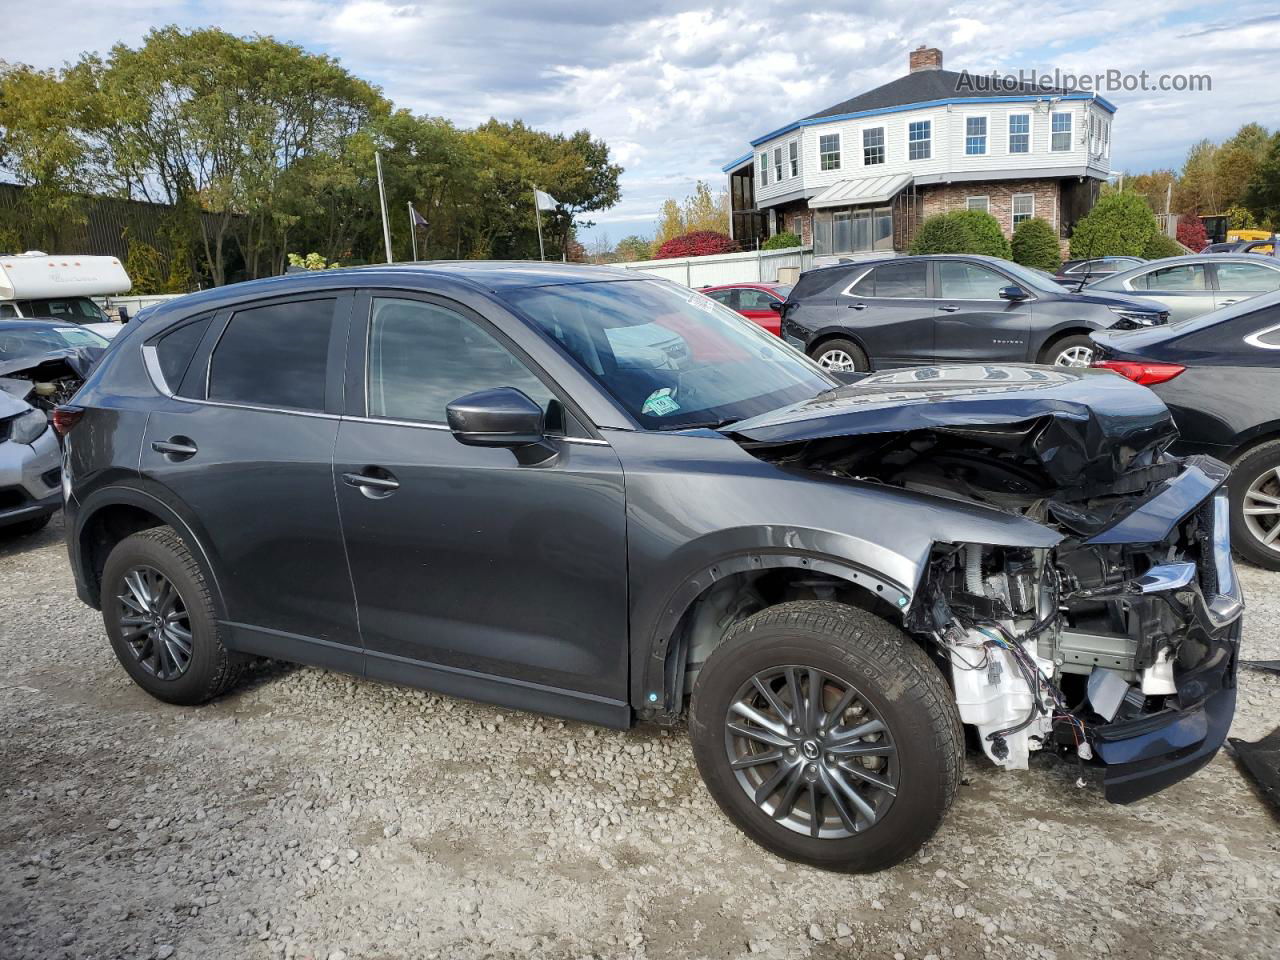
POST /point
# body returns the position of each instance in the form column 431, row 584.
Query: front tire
column 841, row 356
column 159, row 615
column 855, row 778
column 1254, row 488
column 1076, row 350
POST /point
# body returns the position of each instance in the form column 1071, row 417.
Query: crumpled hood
column 79, row 359
column 1084, row 426
column 11, row 401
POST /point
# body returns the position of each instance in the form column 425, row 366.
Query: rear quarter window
column 274, row 356
column 175, row 349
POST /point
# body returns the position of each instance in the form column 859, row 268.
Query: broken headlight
column 28, row 427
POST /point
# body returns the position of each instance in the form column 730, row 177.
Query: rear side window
column 901, row 279
column 176, row 348
column 274, row 356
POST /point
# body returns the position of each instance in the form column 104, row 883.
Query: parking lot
column 308, row 814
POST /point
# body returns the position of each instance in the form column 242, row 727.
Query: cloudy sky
column 678, row 89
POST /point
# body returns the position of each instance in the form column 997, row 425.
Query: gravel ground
column 307, row 814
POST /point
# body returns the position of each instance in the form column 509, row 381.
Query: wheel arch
column 1057, row 335
column 109, row 515
column 837, row 333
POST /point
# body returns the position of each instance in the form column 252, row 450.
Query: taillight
column 1146, row 374
column 66, row 417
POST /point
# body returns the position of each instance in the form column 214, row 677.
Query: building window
column 793, row 157
column 978, row 203
column 920, row 140
column 975, row 136
column 779, row 171
column 873, row 146
column 1024, row 207
column 1061, row 132
column 1019, row 133
column 829, row 152
column 764, row 169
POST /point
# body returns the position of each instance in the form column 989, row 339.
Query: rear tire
column 1076, row 350
column 1254, row 485
column 842, row 356
column 169, row 642
column 840, row 651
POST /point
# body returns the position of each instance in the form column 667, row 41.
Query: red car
column 758, row 302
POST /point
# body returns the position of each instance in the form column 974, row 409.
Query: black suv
column 877, row 314
column 574, row 490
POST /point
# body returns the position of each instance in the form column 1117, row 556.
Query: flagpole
column 537, row 216
column 413, row 230
column 382, row 201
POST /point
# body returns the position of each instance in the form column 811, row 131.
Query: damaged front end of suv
column 1116, row 644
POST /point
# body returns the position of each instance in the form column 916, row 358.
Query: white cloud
column 678, row 88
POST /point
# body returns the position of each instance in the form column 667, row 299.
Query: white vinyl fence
column 758, row 266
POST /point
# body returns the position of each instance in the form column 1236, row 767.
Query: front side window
column 1024, row 207
column 1061, row 132
column 905, row 280
column 274, row 356
column 873, row 146
column 975, row 136
column 423, row 356
column 1019, row 133
column 793, row 157
column 67, row 309
column 978, row 203
column 829, row 151
column 7, row 310
column 1247, row 277
column 920, row 140
column 754, row 300
column 764, row 169
column 670, row 357
column 1184, row 277
column 958, row 280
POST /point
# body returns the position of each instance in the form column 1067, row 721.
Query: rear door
column 973, row 321
column 243, row 447
column 1184, row 288
column 475, row 574
column 889, row 310
column 1240, row 281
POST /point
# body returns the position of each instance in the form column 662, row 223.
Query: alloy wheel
column 811, row 752
column 1074, row 357
column 837, row 360
column 1262, row 509
column 154, row 622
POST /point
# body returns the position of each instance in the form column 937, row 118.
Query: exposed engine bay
column 1106, row 646
column 46, row 381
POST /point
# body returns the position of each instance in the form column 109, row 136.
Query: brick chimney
column 925, row 58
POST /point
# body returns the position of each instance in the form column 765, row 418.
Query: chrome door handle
column 371, row 486
column 857, row 306
column 1227, row 303
column 175, row 448
column 949, row 308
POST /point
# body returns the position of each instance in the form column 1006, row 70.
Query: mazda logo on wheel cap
column 810, row 749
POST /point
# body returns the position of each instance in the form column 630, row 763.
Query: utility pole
column 382, row 200
column 413, row 231
column 537, row 215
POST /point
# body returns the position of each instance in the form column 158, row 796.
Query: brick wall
column 999, row 194
column 801, row 224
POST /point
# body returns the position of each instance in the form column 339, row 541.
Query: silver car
column 1190, row 286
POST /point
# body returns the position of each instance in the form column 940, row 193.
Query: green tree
column 670, row 223
column 781, row 241
column 1120, row 224
column 1262, row 196
column 1035, row 244
column 634, row 248
column 1162, row 245
column 961, row 231
column 1240, row 218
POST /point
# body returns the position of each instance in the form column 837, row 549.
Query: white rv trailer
column 36, row 285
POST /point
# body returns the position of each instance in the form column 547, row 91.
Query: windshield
column 16, row 344
column 672, row 358
column 70, row 309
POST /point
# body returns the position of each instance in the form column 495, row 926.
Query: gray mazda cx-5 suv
column 876, row 314
column 575, row 490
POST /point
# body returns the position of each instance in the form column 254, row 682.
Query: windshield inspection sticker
column 660, row 403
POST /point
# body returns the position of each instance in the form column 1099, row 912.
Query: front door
column 474, row 574
column 758, row 307
column 973, row 321
column 1184, row 289
column 889, row 311
column 246, row 447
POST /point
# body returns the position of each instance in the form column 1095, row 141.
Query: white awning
column 848, row 193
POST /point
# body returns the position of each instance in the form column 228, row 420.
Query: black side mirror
column 776, row 305
column 501, row 417
column 1013, row 292
column 123, row 314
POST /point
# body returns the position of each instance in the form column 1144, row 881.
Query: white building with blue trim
column 858, row 177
